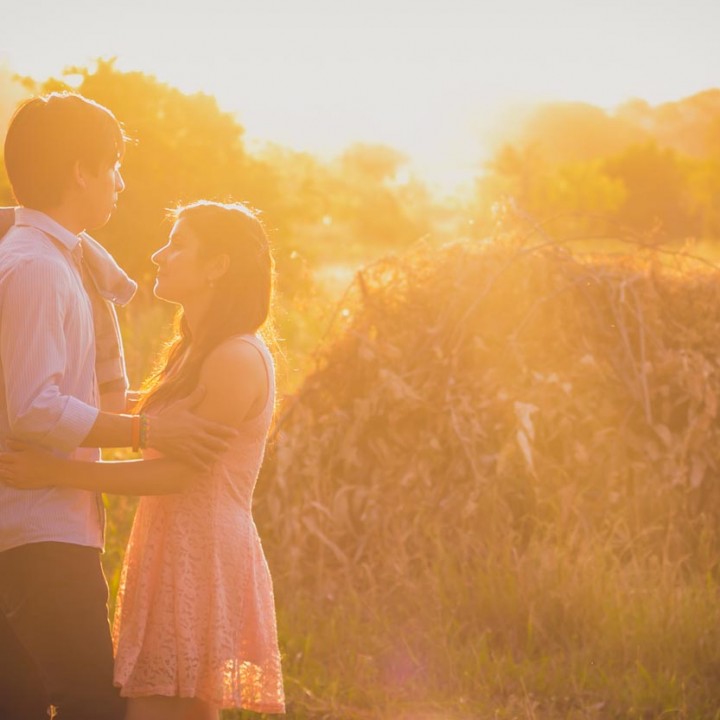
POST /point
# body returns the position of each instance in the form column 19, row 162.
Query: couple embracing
column 194, row 628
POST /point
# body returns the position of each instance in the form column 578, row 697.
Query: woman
column 195, row 625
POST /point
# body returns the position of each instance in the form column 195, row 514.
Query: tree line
column 645, row 168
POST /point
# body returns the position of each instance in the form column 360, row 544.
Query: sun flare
column 430, row 79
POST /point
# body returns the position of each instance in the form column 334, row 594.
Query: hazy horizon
column 430, row 79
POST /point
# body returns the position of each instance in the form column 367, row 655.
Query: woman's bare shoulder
column 233, row 375
column 235, row 352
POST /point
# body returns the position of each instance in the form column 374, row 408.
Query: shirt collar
column 41, row 221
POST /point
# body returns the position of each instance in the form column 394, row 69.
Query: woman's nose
column 156, row 257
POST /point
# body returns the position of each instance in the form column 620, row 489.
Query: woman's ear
column 218, row 266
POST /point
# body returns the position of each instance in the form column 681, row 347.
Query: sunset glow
column 435, row 431
column 428, row 78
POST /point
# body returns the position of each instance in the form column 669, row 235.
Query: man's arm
column 35, row 303
column 177, row 432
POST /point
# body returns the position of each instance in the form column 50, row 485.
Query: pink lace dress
column 195, row 612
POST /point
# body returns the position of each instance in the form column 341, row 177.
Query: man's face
column 101, row 194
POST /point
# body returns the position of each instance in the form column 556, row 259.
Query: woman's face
column 181, row 274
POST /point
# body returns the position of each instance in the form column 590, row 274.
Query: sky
column 430, row 77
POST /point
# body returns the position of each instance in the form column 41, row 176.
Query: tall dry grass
column 497, row 495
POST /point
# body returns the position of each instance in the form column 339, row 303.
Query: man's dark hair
column 48, row 135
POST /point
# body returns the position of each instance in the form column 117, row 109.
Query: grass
column 441, row 551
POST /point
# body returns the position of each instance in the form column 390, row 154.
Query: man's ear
column 79, row 175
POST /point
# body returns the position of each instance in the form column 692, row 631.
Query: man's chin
column 100, row 222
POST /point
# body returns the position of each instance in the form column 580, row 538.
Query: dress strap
column 268, row 364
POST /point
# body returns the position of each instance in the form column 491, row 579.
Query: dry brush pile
column 508, row 457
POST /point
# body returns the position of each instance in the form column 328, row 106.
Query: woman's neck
column 194, row 313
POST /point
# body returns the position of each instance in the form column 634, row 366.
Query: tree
column 183, row 147
column 656, row 190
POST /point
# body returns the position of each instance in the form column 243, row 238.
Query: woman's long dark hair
column 240, row 300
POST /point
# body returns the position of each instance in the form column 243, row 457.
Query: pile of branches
column 489, row 391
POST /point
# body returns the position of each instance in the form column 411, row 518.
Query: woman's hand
column 25, row 467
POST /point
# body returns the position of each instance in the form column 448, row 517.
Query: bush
column 497, row 496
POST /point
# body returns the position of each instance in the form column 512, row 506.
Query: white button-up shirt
column 48, row 393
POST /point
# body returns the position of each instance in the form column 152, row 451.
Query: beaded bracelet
column 135, row 432
column 139, row 431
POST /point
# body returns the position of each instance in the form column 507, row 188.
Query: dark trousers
column 55, row 646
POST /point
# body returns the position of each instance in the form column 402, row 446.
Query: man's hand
column 179, row 433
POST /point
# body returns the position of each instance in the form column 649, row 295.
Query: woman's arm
column 178, row 432
column 133, row 477
column 26, row 468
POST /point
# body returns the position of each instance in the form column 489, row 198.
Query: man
column 59, row 349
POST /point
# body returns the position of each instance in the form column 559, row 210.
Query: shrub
column 497, row 496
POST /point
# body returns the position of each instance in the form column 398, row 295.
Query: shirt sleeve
column 33, row 349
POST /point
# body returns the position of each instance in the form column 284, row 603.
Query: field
column 493, row 492
column 491, row 489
